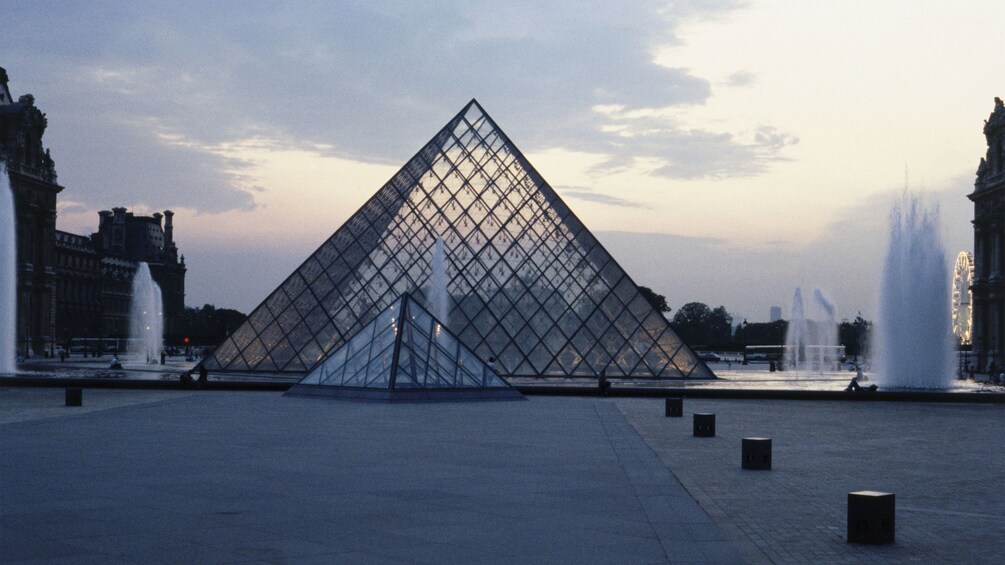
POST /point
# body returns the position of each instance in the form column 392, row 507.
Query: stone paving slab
column 24, row 404
column 944, row 462
column 246, row 477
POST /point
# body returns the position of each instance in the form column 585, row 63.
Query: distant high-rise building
column 989, row 247
column 776, row 313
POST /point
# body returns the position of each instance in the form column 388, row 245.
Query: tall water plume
column 914, row 327
column 8, row 275
column 811, row 339
column 438, row 296
column 146, row 320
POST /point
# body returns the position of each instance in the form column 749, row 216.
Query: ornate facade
column 69, row 285
column 989, row 247
column 78, row 288
column 32, row 176
column 123, row 240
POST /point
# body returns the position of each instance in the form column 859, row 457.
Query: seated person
column 853, row 386
column 603, row 383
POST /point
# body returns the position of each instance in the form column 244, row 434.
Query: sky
column 724, row 152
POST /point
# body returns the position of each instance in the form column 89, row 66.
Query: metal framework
column 528, row 284
column 404, row 353
column 963, row 279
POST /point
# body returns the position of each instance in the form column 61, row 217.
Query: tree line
column 209, row 325
column 696, row 323
column 703, row 327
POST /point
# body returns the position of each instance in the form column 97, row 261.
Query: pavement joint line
column 750, row 550
column 635, row 489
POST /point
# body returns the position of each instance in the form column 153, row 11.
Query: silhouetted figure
column 771, row 367
column 853, row 386
column 492, row 364
column 115, row 363
column 203, row 375
column 163, row 356
column 602, row 383
column 186, row 378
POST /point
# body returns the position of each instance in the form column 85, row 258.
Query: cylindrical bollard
column 704, row 425
column 675, row 407
column 756, row 453
column 74, row 396
column 871, row 517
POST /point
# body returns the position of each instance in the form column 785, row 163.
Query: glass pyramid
column 528, row 284
column 404, row 353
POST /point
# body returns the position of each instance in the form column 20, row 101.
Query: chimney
column 118, row 230
column 168, row 228
column 104, row 229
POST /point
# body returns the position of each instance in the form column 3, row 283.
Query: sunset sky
column 724, row 152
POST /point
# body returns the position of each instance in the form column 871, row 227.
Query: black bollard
column 704, row 425
column 675, row 407
column 74, row 396
column 756, row 454
column 871, row 517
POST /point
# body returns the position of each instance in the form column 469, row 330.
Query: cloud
column 741, row 78
column 845, row 260
column 688, row 153
column 596, row 197
column 367, row 81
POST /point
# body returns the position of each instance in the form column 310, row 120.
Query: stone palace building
column 74, row 286
column 989, row 247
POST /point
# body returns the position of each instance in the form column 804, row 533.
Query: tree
column 719, row 326
column 689, row 322
column 762, row 333
column 658, row 301
column 855, row 335
column 209, row 325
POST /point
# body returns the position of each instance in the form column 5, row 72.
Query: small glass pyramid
column 404, row 354
column 528, row 284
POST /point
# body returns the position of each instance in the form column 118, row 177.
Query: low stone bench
column 675, row 407
column 756, row 454
column 704, row 425
column 871, row 517
column 74, row 396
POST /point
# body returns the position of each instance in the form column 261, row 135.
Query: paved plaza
column 944, row 462
column 255, row 477
column 258, row 477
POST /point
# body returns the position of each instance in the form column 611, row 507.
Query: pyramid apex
column 473, row 103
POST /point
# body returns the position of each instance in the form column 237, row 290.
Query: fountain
column 811, row 340
column 439, row 298
column 914, row 328
column 8, row 276
column 146, row 319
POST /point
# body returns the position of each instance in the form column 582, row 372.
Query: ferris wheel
column 963, row 277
